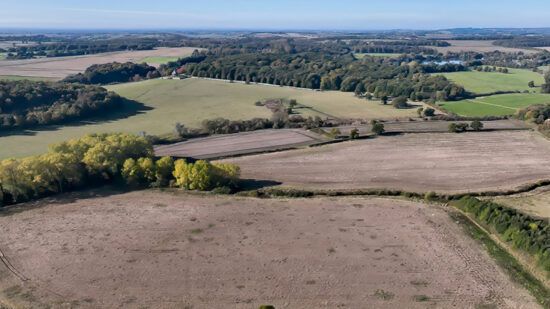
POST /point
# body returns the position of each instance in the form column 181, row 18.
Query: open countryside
column 172, row 155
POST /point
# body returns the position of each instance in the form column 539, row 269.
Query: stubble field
column 441, row 162
column 158, row 250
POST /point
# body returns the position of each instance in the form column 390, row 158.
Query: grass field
column 496, row 105
column 488, row 82
column 193, row 100
column 362, row 55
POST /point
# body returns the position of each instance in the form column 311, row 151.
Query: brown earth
column 441, row 162
column 160, row 250
column 60, row 67
column 218, row 146
column 480, row 46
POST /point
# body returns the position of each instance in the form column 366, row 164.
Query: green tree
column 476, row 125
column 378, row 128
column 400, row 102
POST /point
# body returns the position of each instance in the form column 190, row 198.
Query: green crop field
column 489, row 82
column 496, row 105
column 362, row 55
column 158, row 60
column 191, row 101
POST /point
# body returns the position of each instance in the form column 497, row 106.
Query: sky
column 273, row 14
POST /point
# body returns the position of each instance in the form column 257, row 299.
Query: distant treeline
column 25, row 104
column 525, row 41
column 77, row 48
column 102, row 74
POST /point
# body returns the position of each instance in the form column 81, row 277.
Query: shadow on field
column 61, row 199
column 127, row 108
column 255, row 184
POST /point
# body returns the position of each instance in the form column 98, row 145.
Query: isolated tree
column 354, row 133
column 378, row 128
column 531, row 84
column 476, row 125
column 384, row 100
column 420, row 111
column 400, row 102
column 429, row 112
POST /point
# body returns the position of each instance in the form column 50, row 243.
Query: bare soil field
column 60, row 67
column 150, row 249
column 441, row 162
column 479, row 46
column 237, row 144
column 536, row 203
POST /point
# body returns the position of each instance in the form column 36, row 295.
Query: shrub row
column 523, row 232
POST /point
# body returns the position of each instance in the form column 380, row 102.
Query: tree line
column 521, row 231
column 109, row 73
column 329, row 72
column 105, row 158
column 25, row 104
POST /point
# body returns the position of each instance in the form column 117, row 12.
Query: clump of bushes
column 203, row 175
column 538, row 114
column 523, row 232
column 458, row 127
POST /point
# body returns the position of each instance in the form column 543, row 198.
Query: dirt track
column 444, row 162
column 60, row 67
column 218, row 146
column 160, row 250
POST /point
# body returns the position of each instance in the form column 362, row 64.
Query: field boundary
column 297, row 192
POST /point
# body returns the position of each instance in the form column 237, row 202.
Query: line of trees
column 328, row 72
column 79, row 47
column 115, row 72
column 523, row 232
column 105, row 158
column 26, row 104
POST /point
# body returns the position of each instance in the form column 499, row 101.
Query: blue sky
column 269, row 14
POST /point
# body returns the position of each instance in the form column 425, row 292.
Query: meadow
column 190, row 102
column 496, row 105
column 490, row 82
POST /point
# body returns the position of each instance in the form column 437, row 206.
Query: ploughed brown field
column 481, row 46
column 60, row 67
column 151, row 249
column 441, row 162
column 218, row 146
